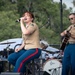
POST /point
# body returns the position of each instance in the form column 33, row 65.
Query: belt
column 71, row 42
column 27, row 43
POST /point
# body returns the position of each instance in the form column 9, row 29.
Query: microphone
column 18, row 20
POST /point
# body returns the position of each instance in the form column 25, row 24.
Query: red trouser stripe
column 27, row 59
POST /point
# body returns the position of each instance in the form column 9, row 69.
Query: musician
column 30, row 48
column 69, row 52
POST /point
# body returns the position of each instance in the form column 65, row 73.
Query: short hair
column 72, row 14
column 30, row 14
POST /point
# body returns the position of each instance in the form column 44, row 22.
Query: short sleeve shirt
column 72, row 31
column 32, row 40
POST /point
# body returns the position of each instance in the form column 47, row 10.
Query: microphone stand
column 7, row 49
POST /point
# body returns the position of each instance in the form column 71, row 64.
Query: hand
column 22, row 19
column 16, row 50
column 63, row 33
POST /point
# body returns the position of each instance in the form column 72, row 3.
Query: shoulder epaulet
column 32, row 24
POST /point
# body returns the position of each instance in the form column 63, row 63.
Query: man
column 69, row 51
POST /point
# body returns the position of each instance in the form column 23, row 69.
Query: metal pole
column 61, row 18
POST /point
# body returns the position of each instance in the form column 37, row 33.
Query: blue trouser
column 69, row 60
column 21, row 58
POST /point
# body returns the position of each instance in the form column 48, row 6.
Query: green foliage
column 47, row 17
column 8, row 27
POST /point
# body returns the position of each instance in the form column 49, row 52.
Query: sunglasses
column 71, row 18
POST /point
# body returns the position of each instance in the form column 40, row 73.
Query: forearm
column 22, row 46
column 23, row 28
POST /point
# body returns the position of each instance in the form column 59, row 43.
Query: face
column 27, row 18
column 72, row 19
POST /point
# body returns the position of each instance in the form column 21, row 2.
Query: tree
column 74, row 2
column 47, row 17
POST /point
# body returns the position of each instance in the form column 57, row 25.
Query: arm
column 63, row 33
column 29, row 30
column 21, row 47
column 66, row 31
column 23, row 28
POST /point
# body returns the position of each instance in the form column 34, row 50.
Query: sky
column 68, row 3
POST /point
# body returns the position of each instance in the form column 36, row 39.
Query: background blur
column 48, row 15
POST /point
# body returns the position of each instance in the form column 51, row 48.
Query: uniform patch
column 32, row 24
